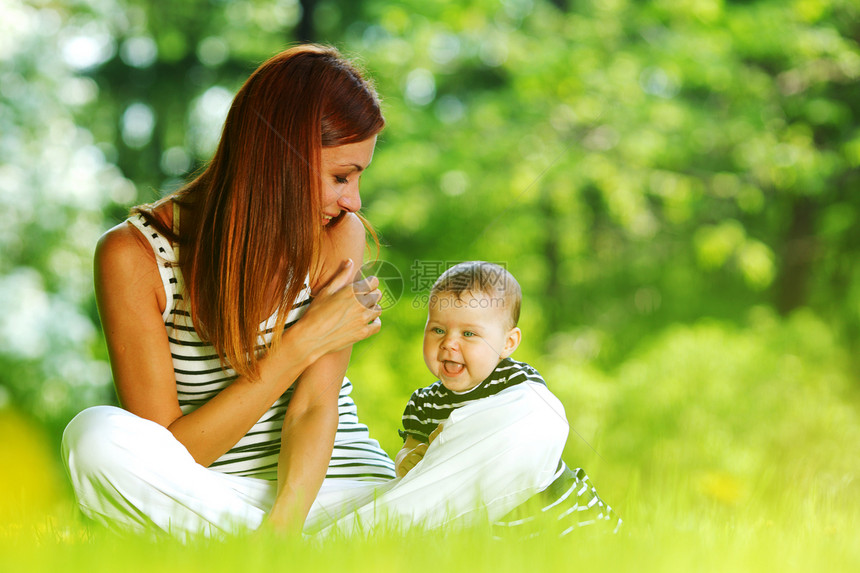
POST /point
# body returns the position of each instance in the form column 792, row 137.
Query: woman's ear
column 512, row 340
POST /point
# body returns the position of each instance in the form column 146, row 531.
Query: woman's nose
column 350, row 200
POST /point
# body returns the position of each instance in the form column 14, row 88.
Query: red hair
column 257, row 205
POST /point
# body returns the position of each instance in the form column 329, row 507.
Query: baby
column 470, row 334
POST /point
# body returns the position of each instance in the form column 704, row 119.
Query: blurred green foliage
column 674, row 183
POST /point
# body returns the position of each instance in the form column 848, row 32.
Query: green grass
column 662, row 532
column 722, row 448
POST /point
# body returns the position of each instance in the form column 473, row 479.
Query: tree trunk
column 553, row 305
column 798, row 255
column 305, row 29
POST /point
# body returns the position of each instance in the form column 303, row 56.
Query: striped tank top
column 200, row 376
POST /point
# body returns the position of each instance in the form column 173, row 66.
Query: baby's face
column 466, row 337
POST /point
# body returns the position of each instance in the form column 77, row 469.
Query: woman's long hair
column 256, row 207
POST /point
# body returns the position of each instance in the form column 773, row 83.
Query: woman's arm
column 307, row 440
column 309, row 429
column 131, row 300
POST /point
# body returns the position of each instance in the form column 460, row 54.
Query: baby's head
column 471, row 323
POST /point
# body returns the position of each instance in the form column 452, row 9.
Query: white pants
column 491, row 455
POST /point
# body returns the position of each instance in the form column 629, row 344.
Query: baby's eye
column 437, row 330
column 341, row 180
column 468, row 334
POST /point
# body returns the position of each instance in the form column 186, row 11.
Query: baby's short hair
column 481, row 276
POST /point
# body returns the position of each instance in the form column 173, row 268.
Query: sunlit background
column 675, row 184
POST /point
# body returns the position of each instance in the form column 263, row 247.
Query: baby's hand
column 413, row 452
column 411, row 458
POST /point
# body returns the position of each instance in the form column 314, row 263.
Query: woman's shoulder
column 348, row 235
column 121, row 242
column 126, row 242
column 125, row 261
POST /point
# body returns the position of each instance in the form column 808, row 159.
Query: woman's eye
column 341, row 180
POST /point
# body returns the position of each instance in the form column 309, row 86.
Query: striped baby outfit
column 568, row 503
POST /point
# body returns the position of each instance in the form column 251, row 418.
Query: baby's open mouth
column 452, row 368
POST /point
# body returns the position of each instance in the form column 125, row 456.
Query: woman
column 229, row 311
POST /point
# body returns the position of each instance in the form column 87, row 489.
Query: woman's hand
column 367, row 292
column 337, row 319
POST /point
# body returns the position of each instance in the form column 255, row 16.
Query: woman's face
column 341, row 171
